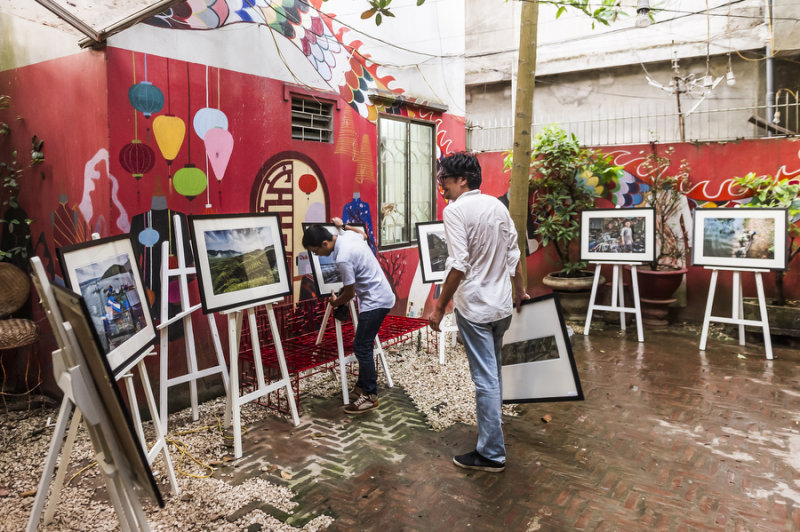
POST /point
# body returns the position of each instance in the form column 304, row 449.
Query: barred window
column 312, row 120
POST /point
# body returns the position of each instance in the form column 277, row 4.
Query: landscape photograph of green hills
column 240, row 259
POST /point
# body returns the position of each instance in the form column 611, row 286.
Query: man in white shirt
column 362, row 277
column 483, row 256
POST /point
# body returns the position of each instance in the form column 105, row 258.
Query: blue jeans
column 483, row 343
column 368, row 324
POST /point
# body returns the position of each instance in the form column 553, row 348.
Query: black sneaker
column 475, row 461
column 363, row 403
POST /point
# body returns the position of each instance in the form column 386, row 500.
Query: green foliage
column 565, row 180
column 11, row 173
column 666, row 197
column 606, row 13
column 768, row 192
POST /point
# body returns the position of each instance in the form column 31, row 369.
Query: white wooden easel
column 80, row 403
column 443, row 330
column 235, row 402
column 343, row 360
column 193, row 374
column 737, row 307
column 617, row 291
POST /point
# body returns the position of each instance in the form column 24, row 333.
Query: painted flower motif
column 590, row 182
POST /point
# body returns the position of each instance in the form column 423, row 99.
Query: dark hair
column 462, row 164
column 315, row 235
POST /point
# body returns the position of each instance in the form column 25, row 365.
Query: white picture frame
column 106, row 274
column 748, row 238
column 603, row 235
column 240, row 259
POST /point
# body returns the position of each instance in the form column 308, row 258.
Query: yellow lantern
column 169, row 131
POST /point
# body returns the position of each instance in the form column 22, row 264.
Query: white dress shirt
column 481, row 243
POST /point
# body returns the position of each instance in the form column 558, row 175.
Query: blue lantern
column 146, row 97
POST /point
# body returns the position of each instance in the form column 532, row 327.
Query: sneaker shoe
column 475, row 461
column 362, row 403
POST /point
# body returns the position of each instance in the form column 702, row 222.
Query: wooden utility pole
column 523, row 124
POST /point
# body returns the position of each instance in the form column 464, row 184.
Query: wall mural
column 99, row 185
column 291, row 185
column 311, row 30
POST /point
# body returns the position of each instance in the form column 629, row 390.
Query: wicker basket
column 16, row 288
column 17, row 333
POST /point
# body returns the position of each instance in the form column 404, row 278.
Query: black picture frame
column 240, row 259
column 432, row 251
column 538, row 364
column 741, row 237
column 106, row 274
column 602, row 235
column 74, row 310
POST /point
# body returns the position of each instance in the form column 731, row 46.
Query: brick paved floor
column 668, row 438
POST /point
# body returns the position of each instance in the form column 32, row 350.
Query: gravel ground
column 445, row 394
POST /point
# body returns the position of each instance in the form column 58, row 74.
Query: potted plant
column 766, row 192
column 659, row 279
column 565, row 179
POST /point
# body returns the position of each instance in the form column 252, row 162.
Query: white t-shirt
column 482, row 243
column 358, row 266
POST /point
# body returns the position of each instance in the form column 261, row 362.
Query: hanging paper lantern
column 146, row 97
column 189, row 181
column 308, row 183
column 169, row 132
column 137, row 158
column 148, row 237
column 219, row 145
column 207, row 118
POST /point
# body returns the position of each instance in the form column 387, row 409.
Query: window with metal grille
column 312, row 120
column 406, row 179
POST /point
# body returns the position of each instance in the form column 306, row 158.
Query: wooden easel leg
column 637, row 305
column 589, row 312
column 163, row 385
column 620, row 285
column 191, row 362
column 161, row 440
column 67, row 410
column 736, row 305
column 232, row 406
column 382, row 356
column 762, row 306
column 133, row 402
column 342, row 363
column 273, row 325
column 712, row 288
column 212, row 326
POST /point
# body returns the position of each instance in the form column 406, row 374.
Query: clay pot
column 573, row 292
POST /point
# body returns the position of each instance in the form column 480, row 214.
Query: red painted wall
column 713, row 166
column 63, row 102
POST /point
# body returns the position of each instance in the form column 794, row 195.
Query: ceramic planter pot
column 656, row 289
column 573, row 292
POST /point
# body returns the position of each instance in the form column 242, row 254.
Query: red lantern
column 137, row 158
column 307, row 183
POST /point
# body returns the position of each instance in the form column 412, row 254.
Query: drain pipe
column 770, row 97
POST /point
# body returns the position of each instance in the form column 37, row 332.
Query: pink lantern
column 219, row 145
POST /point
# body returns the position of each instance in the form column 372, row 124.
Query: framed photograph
column 432, row 251
column 537, row 355
column 105, row 273
column 240, row 259
column 618, row 235
column 740, row 238
column 75, row 311
column 326, row 274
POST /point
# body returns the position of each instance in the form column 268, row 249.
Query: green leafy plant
column 11, row 172
column 565, row 179
column 666, row 196
column 766, row 191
